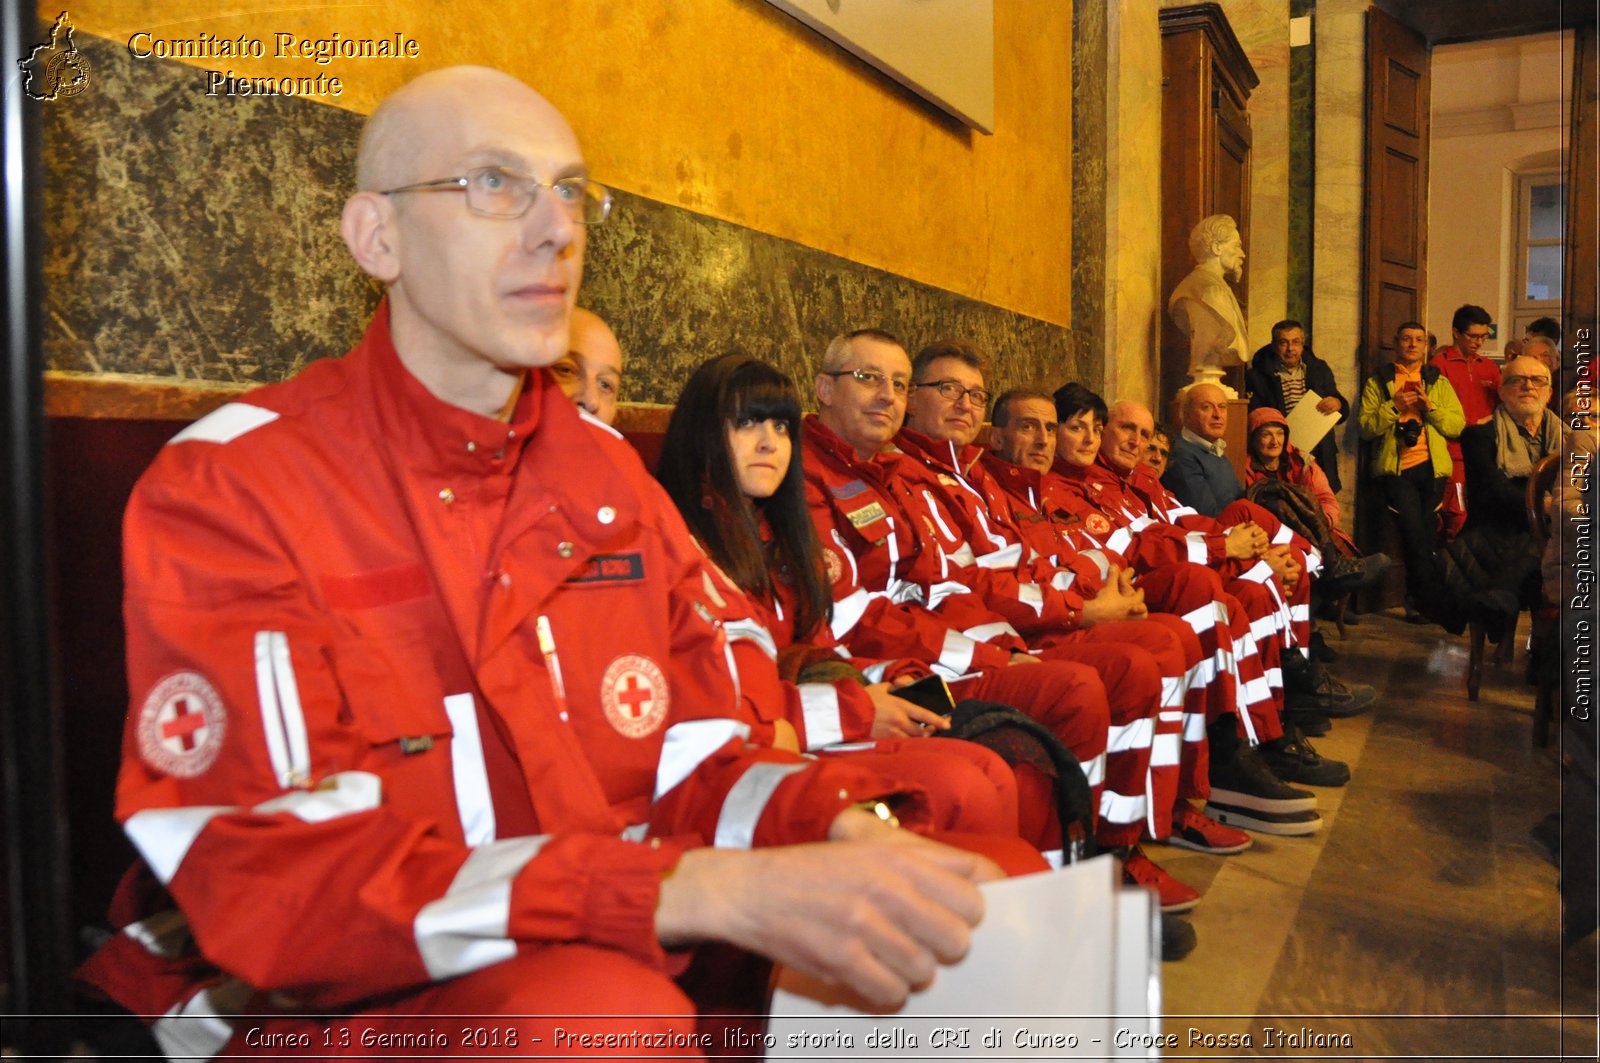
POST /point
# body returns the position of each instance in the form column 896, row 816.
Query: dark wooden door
column 1395, row 238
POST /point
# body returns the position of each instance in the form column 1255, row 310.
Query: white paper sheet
column 1064, row 965
column 1306, row 425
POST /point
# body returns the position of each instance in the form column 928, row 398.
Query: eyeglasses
column 872, row 379
column 1475, row 337
column 953, row 391
column 496, row 192
column 1519, row 381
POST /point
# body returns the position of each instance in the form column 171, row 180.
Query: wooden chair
column 1545, row 637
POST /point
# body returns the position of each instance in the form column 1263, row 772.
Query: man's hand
column 1118, row 599
column 1329, row 404
column 1245, row 541
column 876, row 916
column 898, row 718
column 1282, row 563
column 1025, row 658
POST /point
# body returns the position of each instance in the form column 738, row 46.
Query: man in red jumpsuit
column 379, row 765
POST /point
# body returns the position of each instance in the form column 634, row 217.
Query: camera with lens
column 1408, row 432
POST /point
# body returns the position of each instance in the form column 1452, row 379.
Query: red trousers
column 970, row 788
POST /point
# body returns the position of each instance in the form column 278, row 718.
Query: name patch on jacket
column 849, row 490
column 870, row 513
column 611, row 568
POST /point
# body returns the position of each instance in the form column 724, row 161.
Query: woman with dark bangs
column 730, row 462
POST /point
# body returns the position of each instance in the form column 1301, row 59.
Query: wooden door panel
column 1398, row 220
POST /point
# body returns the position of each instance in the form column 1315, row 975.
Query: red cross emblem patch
column 834, row 566
column 181, row 725
column 1097, row 523
column 634, row 695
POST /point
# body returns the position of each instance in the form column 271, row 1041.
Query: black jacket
column 1262, row 384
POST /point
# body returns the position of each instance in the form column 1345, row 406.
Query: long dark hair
column 697, row 470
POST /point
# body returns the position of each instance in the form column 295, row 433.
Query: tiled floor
column 1421, row 921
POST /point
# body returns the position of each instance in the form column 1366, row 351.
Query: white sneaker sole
column 1261, row 823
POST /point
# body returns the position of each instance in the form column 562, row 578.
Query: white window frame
column 1523, row 309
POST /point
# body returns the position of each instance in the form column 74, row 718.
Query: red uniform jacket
column 377, row 737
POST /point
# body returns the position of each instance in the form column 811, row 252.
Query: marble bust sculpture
column 1204, row 307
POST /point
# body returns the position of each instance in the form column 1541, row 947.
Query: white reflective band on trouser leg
column 1173, row 691
column 1122, row 808
column 1300, row 613
column 1265, row 627
column 474, row 804
column 686, row 747
column 1126, row 737
column 742, row 808
column 1166, row 751
column 163, row 835
column 1247, row 723
column 819, row 704
column 956, row 655
column 199, row 1028
column 466, row 929
column 1202, row 619
column 1274, row 678
column 1194, row 727
column 1094, row 770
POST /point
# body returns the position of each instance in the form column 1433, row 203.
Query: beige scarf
column 1516, row 452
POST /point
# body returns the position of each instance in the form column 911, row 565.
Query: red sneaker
column 1193, row 829
column 1139, row 870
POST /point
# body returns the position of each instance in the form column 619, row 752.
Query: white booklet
column 1065, row 964
column 1306, row 425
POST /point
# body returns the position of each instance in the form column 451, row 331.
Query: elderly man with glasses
column 1492, row 567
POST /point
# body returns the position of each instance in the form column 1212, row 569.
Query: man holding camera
column 1410, row 412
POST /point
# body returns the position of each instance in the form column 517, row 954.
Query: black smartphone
column 930, row 692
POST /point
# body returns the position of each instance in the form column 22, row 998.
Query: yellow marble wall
column 731, row 109
column 1134, row 301
column 1340, row 39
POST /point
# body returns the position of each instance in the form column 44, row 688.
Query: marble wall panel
column 187, row 239
column 1090, row 185
column 1302, row 171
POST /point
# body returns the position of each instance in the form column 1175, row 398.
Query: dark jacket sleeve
column 1319, row 378
column 1492, row 496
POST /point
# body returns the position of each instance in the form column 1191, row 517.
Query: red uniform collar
column 941, row 452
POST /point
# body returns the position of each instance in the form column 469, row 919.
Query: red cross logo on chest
column 633, row 697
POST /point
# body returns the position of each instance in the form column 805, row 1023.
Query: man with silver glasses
column 379, row 766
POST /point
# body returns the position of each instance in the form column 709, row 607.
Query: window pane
column 1544, row 272
column 1547, row 212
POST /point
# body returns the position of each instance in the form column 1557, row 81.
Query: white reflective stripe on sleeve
column 635, row 832
column 893, row 543
column 471, row 773
column 985, row 632
column 1180, row 511
column 687, row 745
column 1120, row 540
column 848, row 611
column 901, row 591
column 819, row 704
column 1260, row 572
column 225, row 424
column 1101, row 562
column 1031, row 595
column 466, row 929
column 944, row 589
column 1283, row 536
column 1195, row 549
column 164, row 934
column 955, row 657
column 1122, row 808
column 964, row 556
column 742, row 808
column 753, row 631
column 1166, row 750
column 344, row 794
column 198, row 1028
column 1063, row 579
column 1009, row 557
column 163, row 835
column 1313, row 560
column 876, row 672
column 271, row 713
column 1138, row 522
column 1094, row 769
column 1127, row 737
